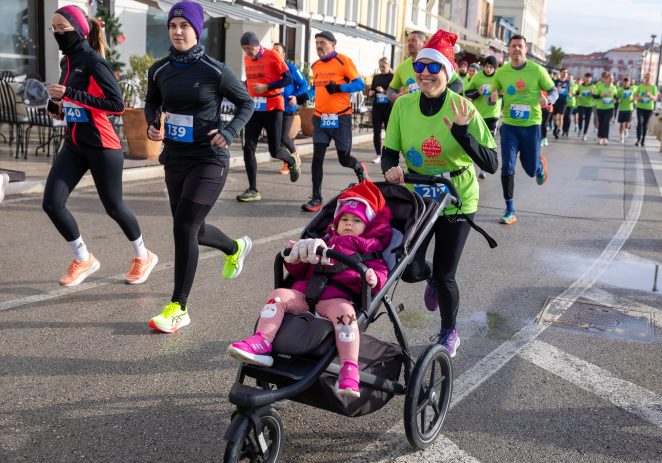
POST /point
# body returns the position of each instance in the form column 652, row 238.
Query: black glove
column 332, row 88
column 301, row 99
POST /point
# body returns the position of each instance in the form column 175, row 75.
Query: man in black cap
column 334, row 78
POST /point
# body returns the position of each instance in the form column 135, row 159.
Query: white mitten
column 293, row 257
column 302, row 247
column 313, row 244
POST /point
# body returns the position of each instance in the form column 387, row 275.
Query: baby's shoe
column 348, row 380
column 254, row 350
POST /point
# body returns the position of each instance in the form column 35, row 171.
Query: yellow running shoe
column 172, row 318
column 235, row 262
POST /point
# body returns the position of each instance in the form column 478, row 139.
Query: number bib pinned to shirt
column 74, row 113
column 485, row 90
column 434, row 192
column 644, row 100
column 380, row 98
column 179, row 127
column 606, row 100
column 520, row 111
column 329, row 121
column 260, row 103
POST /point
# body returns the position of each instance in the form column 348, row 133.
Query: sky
column 586, row 26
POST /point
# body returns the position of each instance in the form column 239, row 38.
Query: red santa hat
column 363, row 200
column 441, row 48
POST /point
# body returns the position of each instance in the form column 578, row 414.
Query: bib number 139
column 179, row 127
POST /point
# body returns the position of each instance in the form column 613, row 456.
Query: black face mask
column 67, row 40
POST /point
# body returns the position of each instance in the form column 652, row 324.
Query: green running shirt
column 585, row 96
column 645, row 101
column 626, row 98
column 484, row 85
column 607, row 94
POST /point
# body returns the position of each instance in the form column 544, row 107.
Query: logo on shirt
column 78, row 70
column 196, row 85
column 414, row 157
column 520, row 85
column 511, row 90
column 431, row 148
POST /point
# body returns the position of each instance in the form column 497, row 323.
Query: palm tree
column 555, row 57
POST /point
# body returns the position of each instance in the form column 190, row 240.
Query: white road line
column 393, row 441
column 602, row 297
column 596, row 380
column 444, row 450
column 60, row 292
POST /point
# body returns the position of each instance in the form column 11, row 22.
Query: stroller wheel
column 428, row 396
column 247, row 448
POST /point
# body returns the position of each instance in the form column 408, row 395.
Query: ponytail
column 97, row 38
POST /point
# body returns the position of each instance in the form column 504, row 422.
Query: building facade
column 631, row 61
column 529, row 17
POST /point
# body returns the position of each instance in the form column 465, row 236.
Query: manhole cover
column 632, row 325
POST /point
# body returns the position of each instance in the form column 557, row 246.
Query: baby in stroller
column 361, row 227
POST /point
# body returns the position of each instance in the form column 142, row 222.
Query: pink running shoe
column 254, row 350
column 348, row 380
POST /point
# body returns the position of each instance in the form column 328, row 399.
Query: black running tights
column 450, row 238
column 380, row 116
column 68, row 168
column 643, row 115
column 345, row 159
column 584, row 118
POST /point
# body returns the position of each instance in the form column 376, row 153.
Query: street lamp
column 650, row 56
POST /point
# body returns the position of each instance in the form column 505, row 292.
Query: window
column 326, row 7
column 352, row 10
column 292, row 4
column 428, row 14
column 373, row 14
column 391, row 12
column 414, row 11
column 19, row 36
column 445, row 8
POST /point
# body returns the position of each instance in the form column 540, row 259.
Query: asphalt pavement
column 561, row 330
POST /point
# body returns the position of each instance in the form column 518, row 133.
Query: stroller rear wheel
column 247, row 448
column 428, row 396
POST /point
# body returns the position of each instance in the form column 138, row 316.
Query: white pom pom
column 456, row 48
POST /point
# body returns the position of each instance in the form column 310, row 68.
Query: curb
column 152, row 172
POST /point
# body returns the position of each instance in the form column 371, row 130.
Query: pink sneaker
column 254, row 350
column 348, row 380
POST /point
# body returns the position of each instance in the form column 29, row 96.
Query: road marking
column 60, row 292
column 602, row 297
column 592, row 378
column 393, row 441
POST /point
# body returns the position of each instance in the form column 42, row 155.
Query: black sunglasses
column 433, row 68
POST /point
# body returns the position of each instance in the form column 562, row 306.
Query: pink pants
column 338, row 310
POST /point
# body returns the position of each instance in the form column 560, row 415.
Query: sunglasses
column 433, row 68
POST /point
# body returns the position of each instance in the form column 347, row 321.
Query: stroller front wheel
column 428, row 396
column 246, row 448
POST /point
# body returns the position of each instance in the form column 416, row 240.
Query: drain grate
column 631, row 325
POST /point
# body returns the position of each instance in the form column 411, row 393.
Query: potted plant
column 135, row 125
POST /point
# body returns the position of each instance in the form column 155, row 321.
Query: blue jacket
column 299, row 86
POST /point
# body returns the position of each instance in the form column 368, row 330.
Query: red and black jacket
column 91, row 84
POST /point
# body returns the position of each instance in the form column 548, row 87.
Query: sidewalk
column 36, row 168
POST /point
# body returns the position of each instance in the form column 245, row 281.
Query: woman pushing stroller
column 361, row 226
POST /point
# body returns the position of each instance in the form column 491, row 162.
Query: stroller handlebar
column 436, row 180
column 335, row 255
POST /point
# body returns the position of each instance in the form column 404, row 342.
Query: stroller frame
column 256, row 414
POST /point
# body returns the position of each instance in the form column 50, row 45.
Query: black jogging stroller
column 305, row 366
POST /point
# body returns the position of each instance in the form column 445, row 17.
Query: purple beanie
column 192, row 12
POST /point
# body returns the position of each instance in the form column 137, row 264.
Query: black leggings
column 450, row 238
column 286, row 141
column 345, row 159
column 272, row 121
column 193, row 188
column 380, row 116
column 545, row 121
column 106, row 166
column 604, row 118
column 584, row 118
column 491, row 123
column 567, row 119
column 643, row 115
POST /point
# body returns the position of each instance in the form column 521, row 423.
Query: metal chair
column 9, row 115
column 48, row 130
column 227, row 111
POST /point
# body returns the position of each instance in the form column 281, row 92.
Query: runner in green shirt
column 625, row 96
column 605, row 96
column 521, row 81
column 570, row 113
column 479, row 90
column 645, row 102
column 585, row 102
column 439, row 132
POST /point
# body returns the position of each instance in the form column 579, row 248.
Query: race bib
column 520, row 111
column 329, row 121
column 485, row 90
column 606, row 100
column 74, row 113
column 586, row 93
column 380, row 98
column 644, row 100
column 260, row 103
column 563, row 92
column 626, row 94
column 179, row 127
column 413, row 88
column 434, row 192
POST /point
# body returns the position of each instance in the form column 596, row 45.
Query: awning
column 470, row 46
column 222, row 8
column 354, row 32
